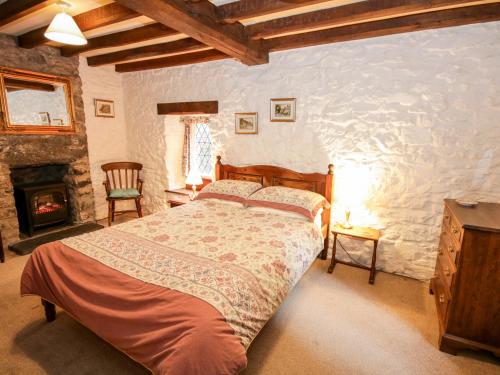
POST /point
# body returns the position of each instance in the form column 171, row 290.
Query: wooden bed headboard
column 270, row 175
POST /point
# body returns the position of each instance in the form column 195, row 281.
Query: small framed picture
column 44, row 118
column 57, row 122
column 246, row 123
column 283, row 110
column 104, row 108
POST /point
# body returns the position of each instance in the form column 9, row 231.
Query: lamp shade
column 194, row 178
column 64, row 29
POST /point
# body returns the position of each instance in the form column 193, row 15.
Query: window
column 201, row 152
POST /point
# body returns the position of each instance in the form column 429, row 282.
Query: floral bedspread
column 240, row 261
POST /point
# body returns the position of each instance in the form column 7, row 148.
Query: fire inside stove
column 47, row 203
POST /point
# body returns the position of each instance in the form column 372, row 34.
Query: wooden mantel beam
column 178, row 46
column 199, row 21
column 244, row 9
column 103, row 16
column 122, row 38
column 417, row 22
column 188, row 108
column 349, row 14
column 13, row 10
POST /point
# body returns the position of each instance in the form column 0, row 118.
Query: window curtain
column 189, row 122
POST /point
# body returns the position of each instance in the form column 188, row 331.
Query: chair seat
column 124, row 193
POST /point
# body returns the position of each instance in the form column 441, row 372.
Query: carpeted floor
column 330, row 324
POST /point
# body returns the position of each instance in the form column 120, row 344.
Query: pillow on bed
column 231, row 190
column 318, row 219
column 306, row 203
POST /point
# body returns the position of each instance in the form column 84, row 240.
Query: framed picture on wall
column 283, row 110
column 104, row 108
column 246, row 123
column 44, row 118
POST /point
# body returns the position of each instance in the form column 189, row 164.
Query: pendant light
column 63, row 28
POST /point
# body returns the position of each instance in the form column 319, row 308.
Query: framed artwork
column 44, row 118
column 104, row 108
column 246, row 123
column 283, row 110
column 57, row 121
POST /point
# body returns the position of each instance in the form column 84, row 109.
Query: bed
column 185, row 290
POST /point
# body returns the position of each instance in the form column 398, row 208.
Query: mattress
column 185, row 290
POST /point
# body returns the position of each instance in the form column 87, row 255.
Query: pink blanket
column 167, row 331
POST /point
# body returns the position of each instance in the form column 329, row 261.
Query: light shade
column 64, row 29
column 194, row 178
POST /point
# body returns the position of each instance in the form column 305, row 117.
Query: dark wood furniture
column 466, row 283
column 359, row 233
column 269, row 175
column 178, row 197
column 122, row 176
column 2, row 254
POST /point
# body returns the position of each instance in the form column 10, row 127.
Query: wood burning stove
column 41, row 205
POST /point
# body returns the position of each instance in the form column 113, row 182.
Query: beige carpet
column 329, row 324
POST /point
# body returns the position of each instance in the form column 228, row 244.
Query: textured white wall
column 407, row 120
column 107, row 137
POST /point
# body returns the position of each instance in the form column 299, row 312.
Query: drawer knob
column 455, row 230
column 451, row 249
column 440, row 251
column 441, row 298
column 446, row 217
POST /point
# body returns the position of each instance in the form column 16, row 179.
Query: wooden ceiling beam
column 244, row 9
column 13, row 10
column 199, row 21
column 424, row 21
column 12, row 84
column 349, row 14
column 176, row 60
column 178, row 46
column 122, row 38
column 103, row 16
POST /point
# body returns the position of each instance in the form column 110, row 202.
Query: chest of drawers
column 466, row 283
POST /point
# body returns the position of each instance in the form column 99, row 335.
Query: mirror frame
column 7, row 128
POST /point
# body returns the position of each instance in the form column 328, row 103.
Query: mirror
column 35, row 103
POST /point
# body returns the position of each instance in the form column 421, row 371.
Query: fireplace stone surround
column 25, row 150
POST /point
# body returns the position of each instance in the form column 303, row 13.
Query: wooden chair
column 122, row 183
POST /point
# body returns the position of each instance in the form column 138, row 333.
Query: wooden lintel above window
column 188, row 108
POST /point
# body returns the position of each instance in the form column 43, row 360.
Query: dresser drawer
column 456, row 231
column 446, row 217
column 441, row 297
column 448, row 246
column 446, row 270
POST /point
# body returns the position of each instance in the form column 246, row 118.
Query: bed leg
column 324, row 252
column 50, row 310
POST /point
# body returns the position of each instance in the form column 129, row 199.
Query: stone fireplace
column 25, row 151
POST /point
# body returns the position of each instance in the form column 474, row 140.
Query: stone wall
column 407, row 120
column 23, row 150
column 107, row 137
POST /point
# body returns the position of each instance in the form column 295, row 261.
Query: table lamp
column 193, row 178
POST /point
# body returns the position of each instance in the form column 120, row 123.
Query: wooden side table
column 359, row 233
column 178, row 197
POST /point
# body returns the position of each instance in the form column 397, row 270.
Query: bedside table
column 177, row 197
column 359, row 233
